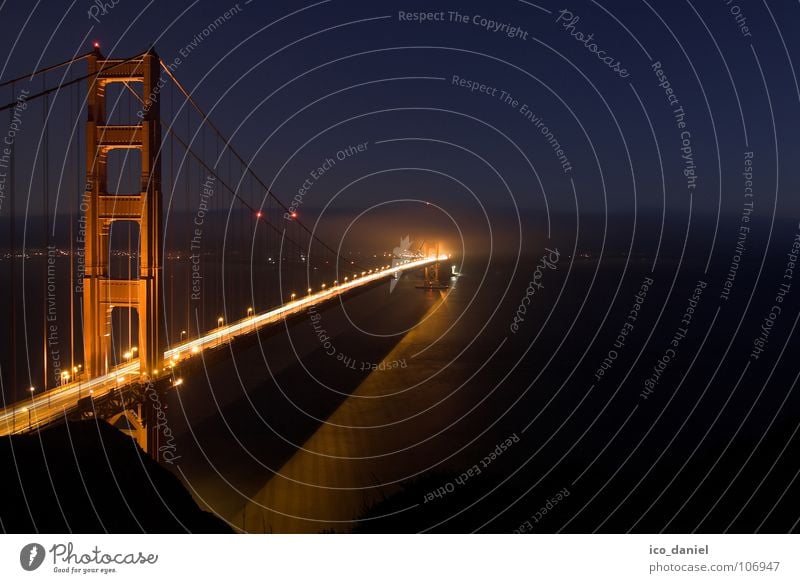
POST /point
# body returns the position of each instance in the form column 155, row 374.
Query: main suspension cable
column 30, row 76
column 68, row 83
column 247, row 167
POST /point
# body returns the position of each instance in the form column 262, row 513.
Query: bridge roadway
column 52, row 405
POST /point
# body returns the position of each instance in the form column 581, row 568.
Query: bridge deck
column 53, row 405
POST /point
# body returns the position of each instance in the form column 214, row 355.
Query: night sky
column 298, row 83
column 638, row 141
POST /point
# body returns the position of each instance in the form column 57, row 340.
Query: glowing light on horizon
column 130, row 370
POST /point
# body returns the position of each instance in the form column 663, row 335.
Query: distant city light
column 196, row 346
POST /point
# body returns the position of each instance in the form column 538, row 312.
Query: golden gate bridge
column 126, row 337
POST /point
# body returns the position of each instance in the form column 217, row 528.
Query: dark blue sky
column 370, row 74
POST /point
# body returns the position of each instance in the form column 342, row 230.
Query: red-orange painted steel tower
column 102, row 293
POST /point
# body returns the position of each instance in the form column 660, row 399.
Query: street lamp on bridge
column 64, row 381
column 76, row 376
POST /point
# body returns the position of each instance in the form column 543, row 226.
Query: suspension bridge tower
column 102, row 293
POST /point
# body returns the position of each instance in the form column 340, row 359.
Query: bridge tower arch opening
column 142, row 291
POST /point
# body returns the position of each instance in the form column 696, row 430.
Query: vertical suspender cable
column 13, row 262
column 71, row 251
column 45, row 194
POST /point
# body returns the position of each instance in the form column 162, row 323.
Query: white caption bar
column 401, row 558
